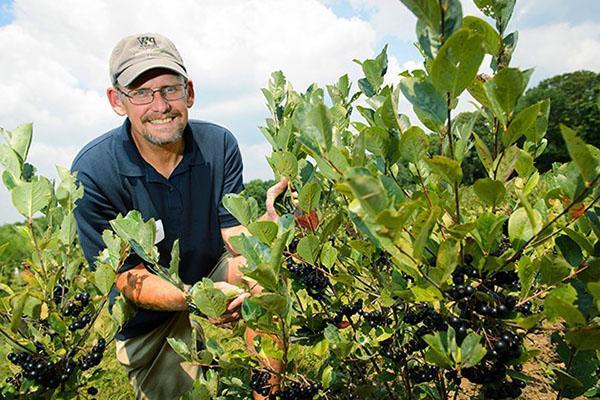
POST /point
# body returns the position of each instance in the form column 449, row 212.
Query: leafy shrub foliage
column 389, row 277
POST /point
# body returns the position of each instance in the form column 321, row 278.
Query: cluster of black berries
column 391, row 348
column 376, row 318
column 506, row 347
column 492, row 375
column 504, row 389
column 312, row 279
column 75, row 308
column 15, row 381
column 428, row 316
column 298, row 391
column 93, row 358
column 423, row 373
column 348, row 311
column 259, row 382
column 39, row 368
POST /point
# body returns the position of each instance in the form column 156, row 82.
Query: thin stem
column 10, row 339
column 37, row 252
column 451, row 144
column 425, row 192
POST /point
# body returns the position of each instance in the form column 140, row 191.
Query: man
column 175, row 171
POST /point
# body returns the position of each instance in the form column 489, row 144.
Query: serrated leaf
column 19, row 139
column 369, row 192
column 244, row 210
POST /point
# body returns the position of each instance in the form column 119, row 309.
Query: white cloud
column 558, row 48
column 255, row 161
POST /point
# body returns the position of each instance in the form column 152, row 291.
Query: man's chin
column 161, row 139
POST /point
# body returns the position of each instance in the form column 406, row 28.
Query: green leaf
column 413, row 144
column 31, row 197
column 429, row 105
column 377, row 140
column 569, row 249
column 68, row 229
column 174, row 263
column 506, row 163
column 326, row 376
column 483, row 152
column 10, row 159
column 491, row 39
column 524, row 164
column 328, row 255
column 309, row 196
column 272, row 302
column 580, row 153
column 422, row 229
column 446, row 261
column 104, row 277
column 552, row 269
column 210, row 301
column 457, row 62
column 586, row 338
column 180, row 347
column 426, row 10
column 57, row 323
column 308, row 248
column 284, row 163
column 520, row 229
column 244, row 210
column 500, row 10
column 319, row 122
column 503, row 91
column 471, row 350
column 18, row 304
column 438, row 351
column 445, row 167
column 19, row 139
column 527, row 271
column 265, row 231
column 490, row 191
column 369, row 192
column 521, row 124
column 559, row 303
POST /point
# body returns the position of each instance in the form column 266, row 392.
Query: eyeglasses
column 146, row 96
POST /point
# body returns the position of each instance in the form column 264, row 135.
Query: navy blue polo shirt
column 116, row 180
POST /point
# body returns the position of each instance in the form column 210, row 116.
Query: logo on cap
column 147, row 42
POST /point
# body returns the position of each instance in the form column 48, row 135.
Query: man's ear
column 115, row 101
column 190, row 94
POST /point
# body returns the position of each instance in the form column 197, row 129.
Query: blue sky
column 55, row 55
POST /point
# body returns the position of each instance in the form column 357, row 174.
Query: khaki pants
column 155, row 371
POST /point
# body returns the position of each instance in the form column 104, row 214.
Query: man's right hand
column 232, row 313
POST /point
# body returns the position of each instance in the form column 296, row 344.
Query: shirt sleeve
column 232, row 178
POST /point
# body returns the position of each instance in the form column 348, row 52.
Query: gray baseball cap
column 136, row 54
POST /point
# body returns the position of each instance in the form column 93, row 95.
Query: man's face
column 162, row 121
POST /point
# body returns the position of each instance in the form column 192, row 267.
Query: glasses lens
column 141, row 96
column 173, row 92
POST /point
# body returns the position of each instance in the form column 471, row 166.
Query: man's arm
column 152, row 292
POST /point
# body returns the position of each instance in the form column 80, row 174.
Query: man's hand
column 272, row 194
column 232, row 313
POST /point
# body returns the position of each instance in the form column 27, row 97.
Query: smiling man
column 175, row 171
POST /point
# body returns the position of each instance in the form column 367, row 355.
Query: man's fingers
column 272, row 193
column 237, row 302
